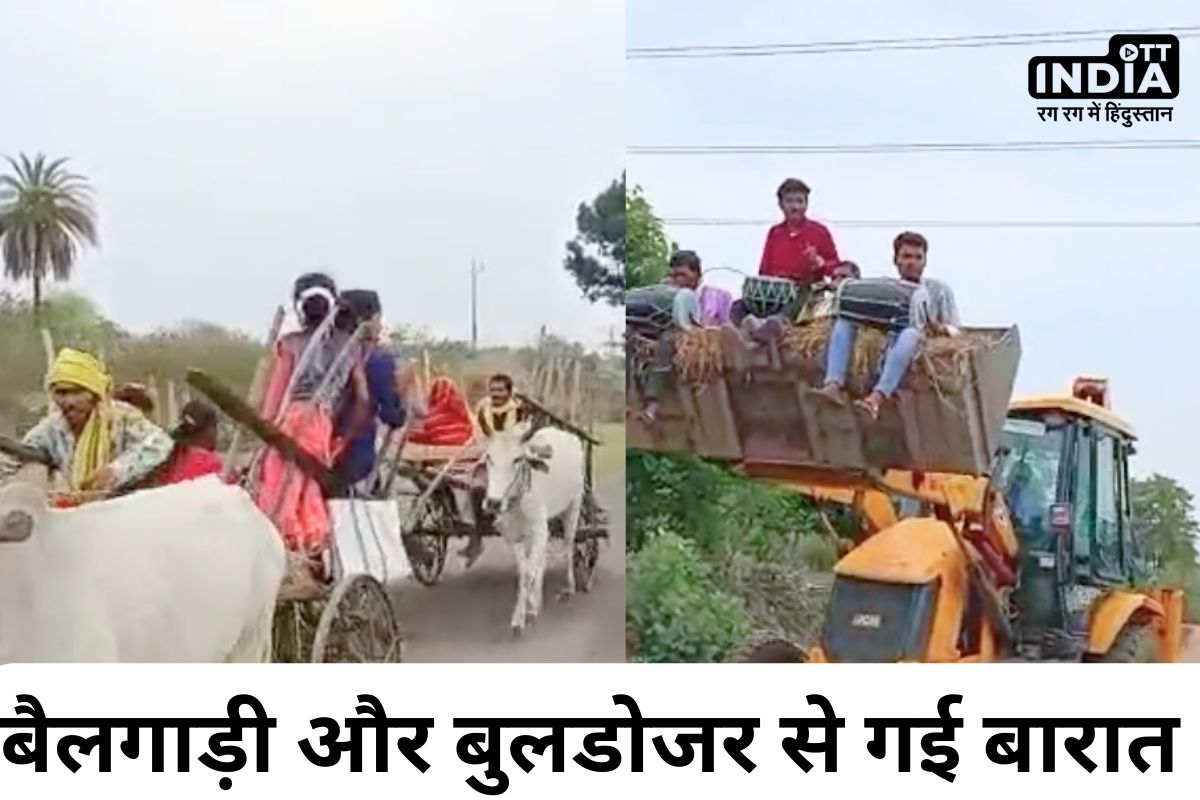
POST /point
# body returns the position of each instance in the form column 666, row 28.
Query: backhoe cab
column 934, row 586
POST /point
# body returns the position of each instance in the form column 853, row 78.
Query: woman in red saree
column 311, row 370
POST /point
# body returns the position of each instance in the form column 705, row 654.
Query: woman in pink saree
column 311, row 370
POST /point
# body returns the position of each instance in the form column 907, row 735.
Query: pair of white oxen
column 191, row 572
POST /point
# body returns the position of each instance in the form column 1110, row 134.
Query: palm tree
column 46, row 217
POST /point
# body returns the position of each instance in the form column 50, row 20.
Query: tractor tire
column 1137, row 643
column 772, row 650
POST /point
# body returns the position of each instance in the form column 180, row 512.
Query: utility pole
column 476, row 268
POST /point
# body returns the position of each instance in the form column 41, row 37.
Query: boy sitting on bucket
column 933, row 312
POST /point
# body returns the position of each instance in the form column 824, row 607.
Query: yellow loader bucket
column 757, row 407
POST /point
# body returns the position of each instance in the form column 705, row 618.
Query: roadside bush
column 677, row 611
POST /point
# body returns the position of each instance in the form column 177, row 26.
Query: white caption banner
column 294, row 696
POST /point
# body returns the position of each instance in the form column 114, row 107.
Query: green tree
column 649, row 247
column 1164, row 518
column 46, row 217
column 596, row 256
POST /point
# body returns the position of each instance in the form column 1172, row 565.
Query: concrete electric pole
column 476, row 268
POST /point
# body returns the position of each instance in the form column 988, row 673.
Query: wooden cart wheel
column 293, row 631
column 587, row 552
column 358, row 625
column 427, row 542
column 427, row 555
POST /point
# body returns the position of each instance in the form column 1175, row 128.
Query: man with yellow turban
column 96, row 442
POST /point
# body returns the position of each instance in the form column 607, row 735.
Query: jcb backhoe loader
column 996, row 530
column 1037, row 562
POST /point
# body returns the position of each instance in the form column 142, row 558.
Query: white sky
column 1121, row 303
column 236, row 143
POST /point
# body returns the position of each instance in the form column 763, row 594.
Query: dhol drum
column 649, row 310
column 766, row 297
column 883, row 303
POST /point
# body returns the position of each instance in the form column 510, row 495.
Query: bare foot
column 771, row 329
column 871, row 404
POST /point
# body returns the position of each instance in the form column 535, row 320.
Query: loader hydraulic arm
column 973, row 506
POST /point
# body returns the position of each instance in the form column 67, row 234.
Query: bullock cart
column 441, row 491
column 349, row 617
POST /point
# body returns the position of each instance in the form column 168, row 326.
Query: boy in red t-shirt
column 797, row 248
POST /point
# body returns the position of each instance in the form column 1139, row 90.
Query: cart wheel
column 293, row 631
column 587, row 552
column 358, row 625
column 426, row 544
column 427, row 555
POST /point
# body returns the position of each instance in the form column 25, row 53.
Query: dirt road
column 465, row 618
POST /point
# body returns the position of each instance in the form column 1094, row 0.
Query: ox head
column 511, row 457
column 22, row 505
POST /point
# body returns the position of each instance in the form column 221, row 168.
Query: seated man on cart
column 498, row 412
column 98, row 443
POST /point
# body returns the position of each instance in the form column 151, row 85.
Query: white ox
column 533, row 477
column 184, row 573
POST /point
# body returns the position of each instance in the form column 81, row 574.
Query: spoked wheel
column 298, row 608
column 587, row 542
column 294, row 629
column 427, row 542
column 587, row 552
column 358, row 626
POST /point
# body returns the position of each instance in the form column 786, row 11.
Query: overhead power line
column 941, row 223
column 912, row 147
column 906, row 43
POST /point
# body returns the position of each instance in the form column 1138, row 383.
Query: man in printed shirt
column 98, row 443
column 933, row 312
column 686, row 314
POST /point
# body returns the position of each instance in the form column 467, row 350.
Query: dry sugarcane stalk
column 172, row 410
column 48, row 345
column 306, row 357
column 257, row 386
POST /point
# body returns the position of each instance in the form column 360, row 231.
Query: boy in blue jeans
column 933, row 312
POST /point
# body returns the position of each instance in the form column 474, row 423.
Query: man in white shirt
column 932, row 312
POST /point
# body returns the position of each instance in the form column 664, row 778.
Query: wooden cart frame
column 435, row 519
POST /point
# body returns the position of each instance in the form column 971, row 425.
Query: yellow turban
column 79, row 369
column 94, row 445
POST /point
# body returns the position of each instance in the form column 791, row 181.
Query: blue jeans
column 901, row 348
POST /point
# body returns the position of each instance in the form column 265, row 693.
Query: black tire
column 1137, row 643
column 769, row 651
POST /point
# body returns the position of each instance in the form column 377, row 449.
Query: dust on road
column 465, row 618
